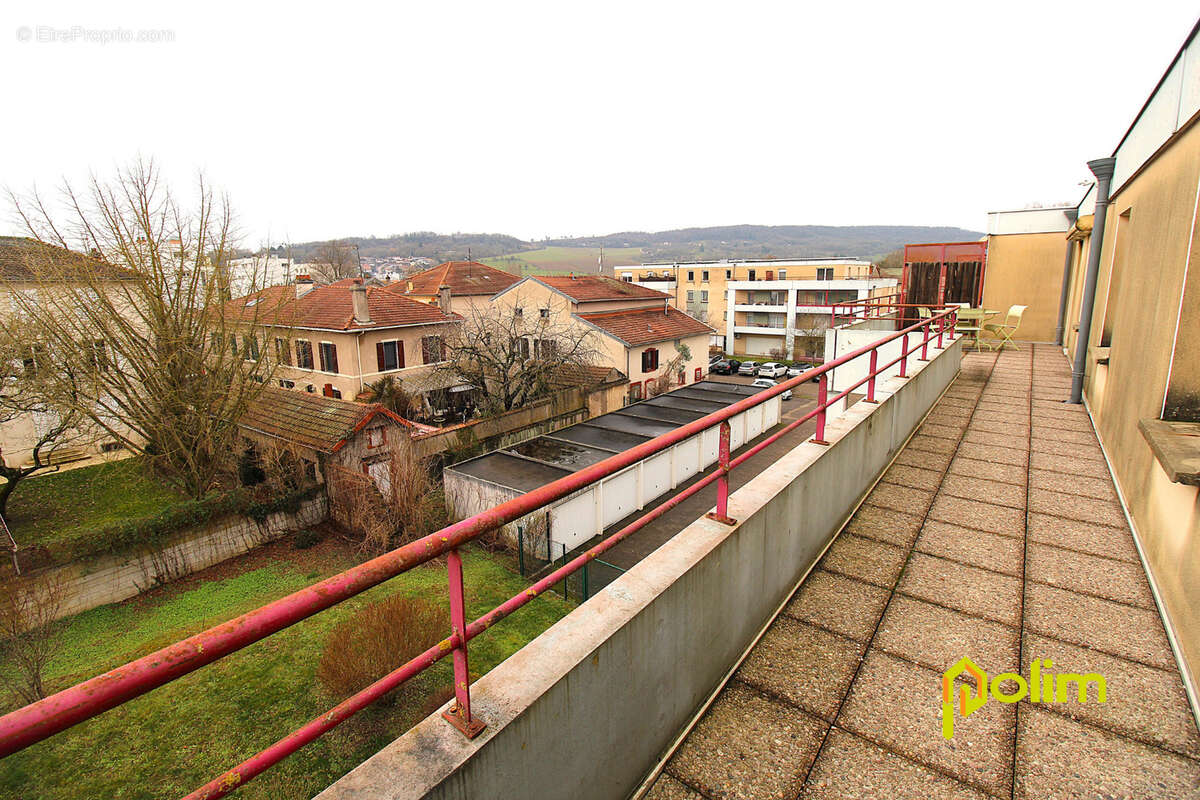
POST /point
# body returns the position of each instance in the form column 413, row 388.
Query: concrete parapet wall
column 587, row 708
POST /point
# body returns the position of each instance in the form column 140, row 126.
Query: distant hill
column 772, row 241
column 684, row 244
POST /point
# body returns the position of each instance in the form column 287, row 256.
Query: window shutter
column 379, row 356
column 400, row 353
column 333, row 365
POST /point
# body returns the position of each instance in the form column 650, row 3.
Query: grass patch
column 551, row 260
column 179, row 736
column 56, row 508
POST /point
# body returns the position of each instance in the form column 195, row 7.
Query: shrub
column 306, row 538
column 378, row 639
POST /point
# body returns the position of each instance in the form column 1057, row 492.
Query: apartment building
column 336, row 339
column 470, row 285
column 637, row 330
column 701, row 287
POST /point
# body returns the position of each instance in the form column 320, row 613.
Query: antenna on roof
column 601, row 261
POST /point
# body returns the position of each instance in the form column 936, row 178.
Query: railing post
column 722, row 513
column 871, row 372
column 822, row 399
column 904, row 356
column 925, row 342
column 941, row 327
column 459, row 714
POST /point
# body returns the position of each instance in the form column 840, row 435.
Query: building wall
column 719, row 273
column 1026, row 269
column 357, row 359
column 1148, row 245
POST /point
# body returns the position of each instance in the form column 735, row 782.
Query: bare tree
column 47, row 402
column 169, row 368
column 28, row 607
column 668, row 376
column 516, row 352
column 333, row 261
column 396, row 503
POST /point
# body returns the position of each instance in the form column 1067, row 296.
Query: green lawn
column 179, row 736
column 55, row 508
column 550, row 260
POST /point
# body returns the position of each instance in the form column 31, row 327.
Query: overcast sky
column 563, row 118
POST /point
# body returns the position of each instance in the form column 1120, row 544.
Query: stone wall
column 93, row 582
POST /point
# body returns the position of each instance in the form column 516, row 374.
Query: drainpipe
column 1102, row 168
column 1072, row 215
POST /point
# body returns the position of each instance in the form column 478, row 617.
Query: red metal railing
column 37, row 721
column 879, row 307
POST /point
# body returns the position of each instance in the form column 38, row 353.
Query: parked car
column 734, row 364
column 721, row 367
column 748, row 368
column 714, row 359
column 771, row 370
column 794, row 372
column 767, row 383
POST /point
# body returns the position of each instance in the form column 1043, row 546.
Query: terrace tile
column 1120, row 581
column 864, row 559
column 837, row 603
column 1100, row 512
column 805, row 665
column 970, row 590
column 1096, row 540
column 978, row 515
column 1133, row 633
column 937, row 637
column 991, row 491
column 749, row 747
column 975, row 548
column 1060, row 758
column 885, row 525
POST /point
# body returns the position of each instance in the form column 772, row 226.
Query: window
column 111, row 447
column 635, row 392
column 283, row 352
column 328, row 357
column 704, row 275
column 518, row 311
column 286, row 384
column 389, row 355
column 691, row 296
column 433, row 349
column 783, row 274
column 704, row 295
column 824, row 273
column 627, row 277
column 752, row 275
column 336, row 394
column 376, row 437
column 544, row 312
column 523, row 347
column 547, row 348
column 649, row 359
column 34, row 359
column 250, row 348
column 691, row 276
column 304, row 354
column 728, row 274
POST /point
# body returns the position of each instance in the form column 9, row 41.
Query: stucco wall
column 1152, row 248
column 632, row 664
column 1026, row 269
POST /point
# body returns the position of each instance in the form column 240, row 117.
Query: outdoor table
column 977, row 316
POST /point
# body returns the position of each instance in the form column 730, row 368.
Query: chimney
column 410, row 285
column 304, row 285
column 444, row 298
column 358, row 297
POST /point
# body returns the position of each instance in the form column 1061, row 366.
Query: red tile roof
column 25, row 259
column 643, row 326
column 310, row 420
column 465, row 278
column 331, row 308
column 588, row 288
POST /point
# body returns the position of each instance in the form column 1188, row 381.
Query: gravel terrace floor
column 996, row 535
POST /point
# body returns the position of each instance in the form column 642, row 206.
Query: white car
column 771, row 370
column 767, row 383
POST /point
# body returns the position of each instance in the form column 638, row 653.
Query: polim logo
column 1042, row 687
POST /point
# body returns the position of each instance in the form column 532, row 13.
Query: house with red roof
column 636, row 329
column 469, row 284
column 336, row 339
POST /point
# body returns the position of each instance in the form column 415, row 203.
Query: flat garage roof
column 539, row 461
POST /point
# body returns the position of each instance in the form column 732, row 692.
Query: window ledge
column 1176, row 445
column 1101, row 354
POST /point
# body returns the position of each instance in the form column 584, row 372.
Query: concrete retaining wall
column 587, row 708
column 110, row 579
